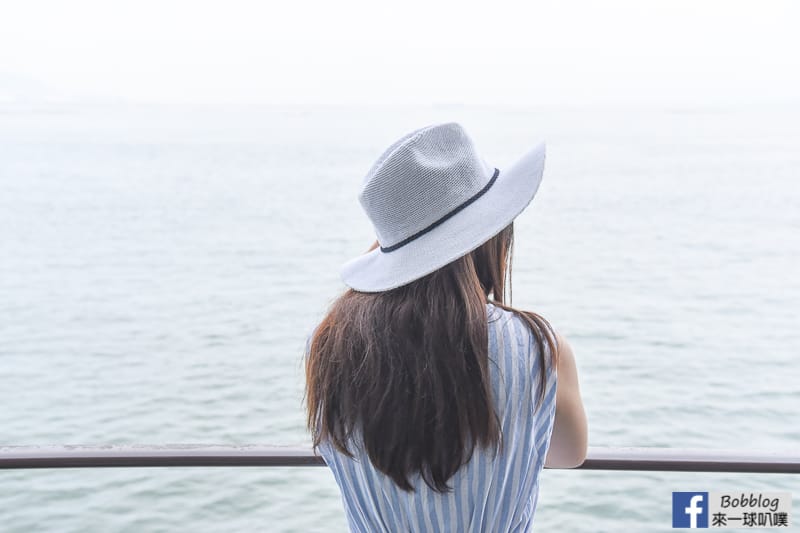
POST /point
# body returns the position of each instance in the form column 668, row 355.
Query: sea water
column 161, row 267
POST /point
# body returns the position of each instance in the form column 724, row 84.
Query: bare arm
column 570, row 430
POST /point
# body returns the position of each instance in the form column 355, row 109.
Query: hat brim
column 515, row 187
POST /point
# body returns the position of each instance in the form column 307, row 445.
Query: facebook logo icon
column 690, row 509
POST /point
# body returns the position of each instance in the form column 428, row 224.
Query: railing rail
column 638, row 459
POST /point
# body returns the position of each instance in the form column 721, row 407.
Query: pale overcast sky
column 343, row 51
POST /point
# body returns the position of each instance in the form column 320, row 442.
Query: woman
column 434, row 403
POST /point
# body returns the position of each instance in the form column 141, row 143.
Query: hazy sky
column 721, row 51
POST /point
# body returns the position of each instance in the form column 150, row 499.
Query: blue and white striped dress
column 489, row 494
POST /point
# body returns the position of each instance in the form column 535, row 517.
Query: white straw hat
column 431, row 199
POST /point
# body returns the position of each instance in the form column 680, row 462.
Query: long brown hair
column 407, row 370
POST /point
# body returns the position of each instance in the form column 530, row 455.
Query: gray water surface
column 160, row 269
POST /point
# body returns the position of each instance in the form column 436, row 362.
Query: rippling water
column 161, row 267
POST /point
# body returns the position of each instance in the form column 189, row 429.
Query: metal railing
column 638, row 459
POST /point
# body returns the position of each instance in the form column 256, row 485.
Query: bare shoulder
column 564, row 347
column 565, row 357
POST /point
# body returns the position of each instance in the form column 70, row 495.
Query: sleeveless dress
column 497, row 494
